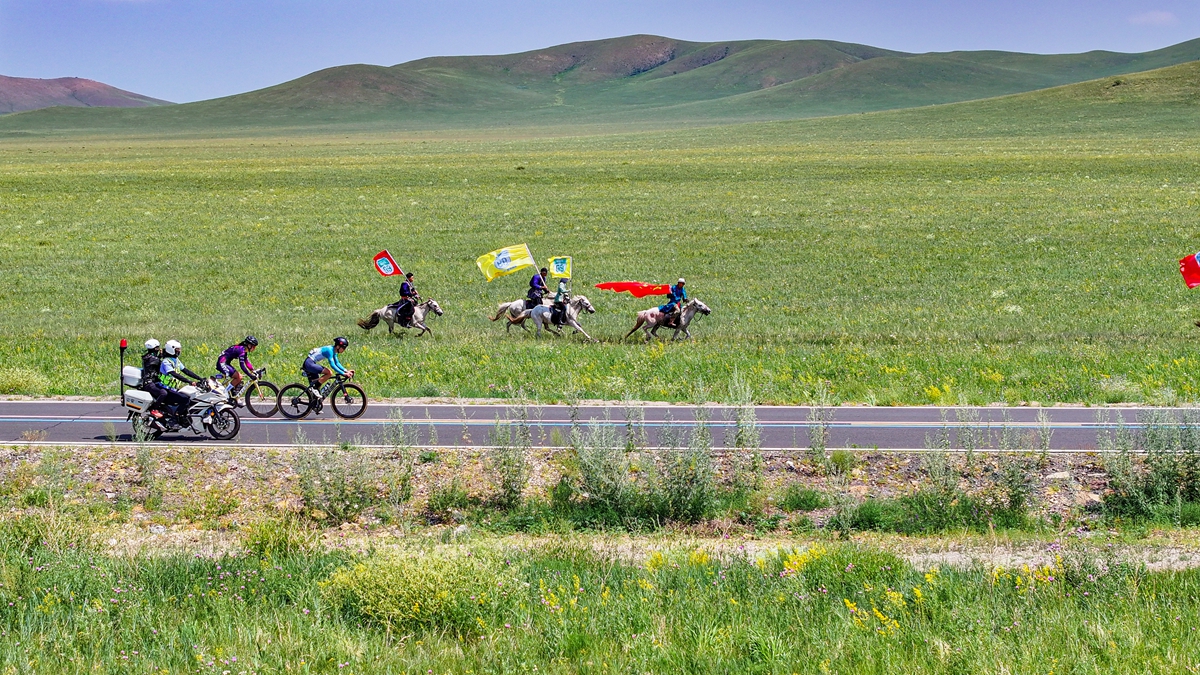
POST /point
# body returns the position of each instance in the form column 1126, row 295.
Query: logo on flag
column 505, row 261
column 560, row 266
column 386, row 265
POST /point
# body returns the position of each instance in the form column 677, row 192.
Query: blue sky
column 188, row 50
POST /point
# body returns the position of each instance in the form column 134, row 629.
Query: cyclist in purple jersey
column 240, row 353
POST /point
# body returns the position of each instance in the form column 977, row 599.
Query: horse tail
column 369, row 322
column 500, row 311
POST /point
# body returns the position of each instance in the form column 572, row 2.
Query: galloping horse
column 541, row 316
column 650, row 320
column 516, row 312
column 388, row 314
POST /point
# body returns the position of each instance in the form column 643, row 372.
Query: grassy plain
column 1013, row 249
column 814, row 607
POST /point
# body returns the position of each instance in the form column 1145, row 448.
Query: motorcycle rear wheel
column 142, row 430
column 225, row 425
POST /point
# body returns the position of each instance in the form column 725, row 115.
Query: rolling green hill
column 639, row 80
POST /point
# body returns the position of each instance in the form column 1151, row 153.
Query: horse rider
column 537, row 289
column 676, row 296
column 408, row 300
column 558, row 313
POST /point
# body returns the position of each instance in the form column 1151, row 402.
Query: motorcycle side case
column 137, row 400
column 131, row 376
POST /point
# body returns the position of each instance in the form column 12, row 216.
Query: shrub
column 688, row 485
column 335, row 485
column 799, row 498
column 438, row 590
column 1168, row 476
column 508, row 460
column 445, row 498
column 932, row 511
column 842, row 461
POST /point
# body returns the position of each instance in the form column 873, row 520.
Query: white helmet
column 680, row 280
column 151, row 344
column 172, row 348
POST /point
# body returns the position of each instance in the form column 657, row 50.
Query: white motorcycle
column 208, row 410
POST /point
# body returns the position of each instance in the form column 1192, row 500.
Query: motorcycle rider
column 172, row 371
column 318, row 374
column 537, row 289
column 151, row 364
column 558, row 313
column 241, row 353
column 676, row 296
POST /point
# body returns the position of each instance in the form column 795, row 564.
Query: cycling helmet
column 172, row 348
column 341, row 342
column 151, row 344
column 250, row 341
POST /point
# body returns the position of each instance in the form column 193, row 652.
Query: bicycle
column 261, row 396
column 297, row 400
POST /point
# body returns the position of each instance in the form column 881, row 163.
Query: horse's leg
column 579, row 329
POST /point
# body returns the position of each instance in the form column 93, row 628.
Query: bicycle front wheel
column 295, row 401
column 349, row 401
column 262, row 398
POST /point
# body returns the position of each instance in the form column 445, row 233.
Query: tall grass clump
column 688, row 487
column 509, row 457
column 1165, row 485
column 336, row 484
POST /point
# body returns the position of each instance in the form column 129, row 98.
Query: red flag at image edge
column 637, row 289
column 386, row 265
column 1189, row 267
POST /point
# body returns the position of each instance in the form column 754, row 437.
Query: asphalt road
column 449, row 425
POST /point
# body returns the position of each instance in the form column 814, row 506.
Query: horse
column 516, row 312
column 650, row 320
column 388, row 314
column 579, row 303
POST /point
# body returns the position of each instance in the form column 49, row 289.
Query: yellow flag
column 560, row 266
column 505, row 261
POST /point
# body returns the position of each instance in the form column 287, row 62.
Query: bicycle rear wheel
column 349, row 401
column 295, row 401
column 262, row 398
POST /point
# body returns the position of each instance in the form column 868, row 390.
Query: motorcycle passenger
column 537, row 289
column 151, row 364
column 676, row 296
column 317, row 373
column 173, row 371
column 240, row 353
column 408, row 300
column 558, row 313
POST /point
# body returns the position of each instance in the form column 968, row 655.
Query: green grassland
column 565, row 608
column 1020, row 248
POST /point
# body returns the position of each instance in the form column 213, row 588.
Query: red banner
column 1189, row 267
column 637, row 289
column 386, row 265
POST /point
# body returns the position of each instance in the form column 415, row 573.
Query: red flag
column 1189, row 267
column 386, row 265
column 637, row 289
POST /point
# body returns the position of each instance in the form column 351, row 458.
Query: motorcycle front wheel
column 225, row 425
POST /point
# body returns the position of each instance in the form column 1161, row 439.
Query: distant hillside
column 19, row 94
column 636, row 80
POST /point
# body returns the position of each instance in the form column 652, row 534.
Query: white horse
column 388, row 315
column 541, row 316
column 516, row 312
column 650, row 320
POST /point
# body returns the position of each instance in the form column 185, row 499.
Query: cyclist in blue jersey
column 241, row 354
column 317, row 373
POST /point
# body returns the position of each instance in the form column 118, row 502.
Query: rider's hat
column 680, row 280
